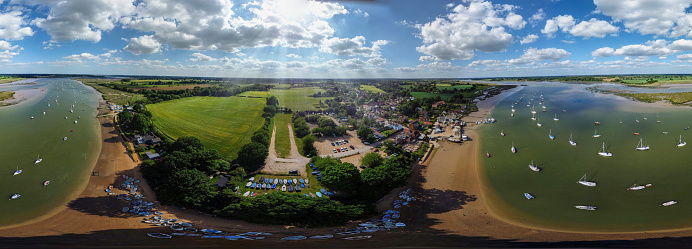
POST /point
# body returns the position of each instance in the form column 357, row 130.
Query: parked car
column 293, row 172
column 353, row 148
column 334, row 150
column 338, row 149
column 332, row 143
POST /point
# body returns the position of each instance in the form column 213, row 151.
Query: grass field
column 6, row 95
column 450, row 87
column 372, row 89
column 254, row 94
column 443, row 96
column 298, row 99
column 224, row 124
column 282, row 140
column 111, row 95
column 9, row 79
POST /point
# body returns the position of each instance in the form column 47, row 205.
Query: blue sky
column 345, row 39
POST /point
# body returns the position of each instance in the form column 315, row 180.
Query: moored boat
column 528, row 196
column 159, row 235
column 637, row 187
column 534, row 167
column 46, row 183
column 570, row 139
column 595, row 134
column 681, row 143
column 15, row 196
column 592, row 208
column 584, row 182
column 19, row 171
column 596, row 122
column 641, row 146
column 514, row 150
column 603, row 152
column 550, row 134
column 283, row 188
column 668, row 203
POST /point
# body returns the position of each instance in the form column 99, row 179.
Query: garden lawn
column 221, row 123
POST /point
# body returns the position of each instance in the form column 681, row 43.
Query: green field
column 254, row 94
column 282, row 142
column 111, row 95
column 9, row 79
column 298, row 99
column 224, row 124
column 372, row 89
column 443, row 96
column 674, row 98
column 450, row 87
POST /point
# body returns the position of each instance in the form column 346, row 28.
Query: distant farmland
column 224, row 124
column 372, row 89
column 297, row 99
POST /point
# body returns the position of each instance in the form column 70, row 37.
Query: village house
column 438, row 104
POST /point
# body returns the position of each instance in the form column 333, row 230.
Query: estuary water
column 665, row 166
column 65, row 163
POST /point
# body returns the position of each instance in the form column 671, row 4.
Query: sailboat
column 641, row 146
column 570, row 139
column 603, row 152
column 38, row 160
column 532, row 110
column 538, row 122
column 681, row 143
column 620, row 120
column 15, row 196
column 534, row 167
column 590, row 208
column 636, row 120
column 514, row 150
column 502, row 133
column 668, row 203
column 555, row 118
column 550, row 134
column 595, row 134
column 533, row 116
column 644, row 117
column 46, row 183
column 638, row 187
column 19, row 171
column 584, row 182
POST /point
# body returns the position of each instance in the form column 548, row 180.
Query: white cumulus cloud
column 82, row 19
column 649, row 16
column 478, row 26
column 145, row 44
column 530, row 38
column 532, row 55
column 13, row 26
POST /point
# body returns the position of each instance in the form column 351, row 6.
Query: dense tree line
column 137, row 123
column 181, row 176
column 366, row 134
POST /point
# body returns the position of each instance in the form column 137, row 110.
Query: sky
column 346, row 39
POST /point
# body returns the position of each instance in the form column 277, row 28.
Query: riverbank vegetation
column 683, row 98
column 6, row 95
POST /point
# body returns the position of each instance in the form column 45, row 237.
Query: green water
column 65, row 163
column 555, row 188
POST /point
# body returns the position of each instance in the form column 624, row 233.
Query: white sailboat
column 534, row 167
column 644, row 117
column 638, row 187
column 620, row 120
column 555, row 118
column 603, row 152
column 532, row 110
column 668, row 203
column 19, row 171
column 596, row 134
column 570, row 139
column 641, row 146
column 550, row 134
column 38, row 160
column 590, row 208
column 502, row 133
column 514, row 150
column 538, row 122
column 533, row 116
column 584, row 182
column 681, row 143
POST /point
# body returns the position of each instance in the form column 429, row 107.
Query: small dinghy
column 159, row 235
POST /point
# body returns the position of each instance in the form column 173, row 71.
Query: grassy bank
column 9, row 80
column 224, row 124
column 683, row 98
column 282, row 140
column 111, row 95
column 6, row 95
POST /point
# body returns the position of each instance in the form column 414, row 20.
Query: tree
column 308, row 145
column 363, row 132
column 251, row 156
column 189, row 187
column 272, row 100
column 124, row 117
column 343, row 177
column 261, row 137
column 140, row 123
column 371, row 160
column 324, row 122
